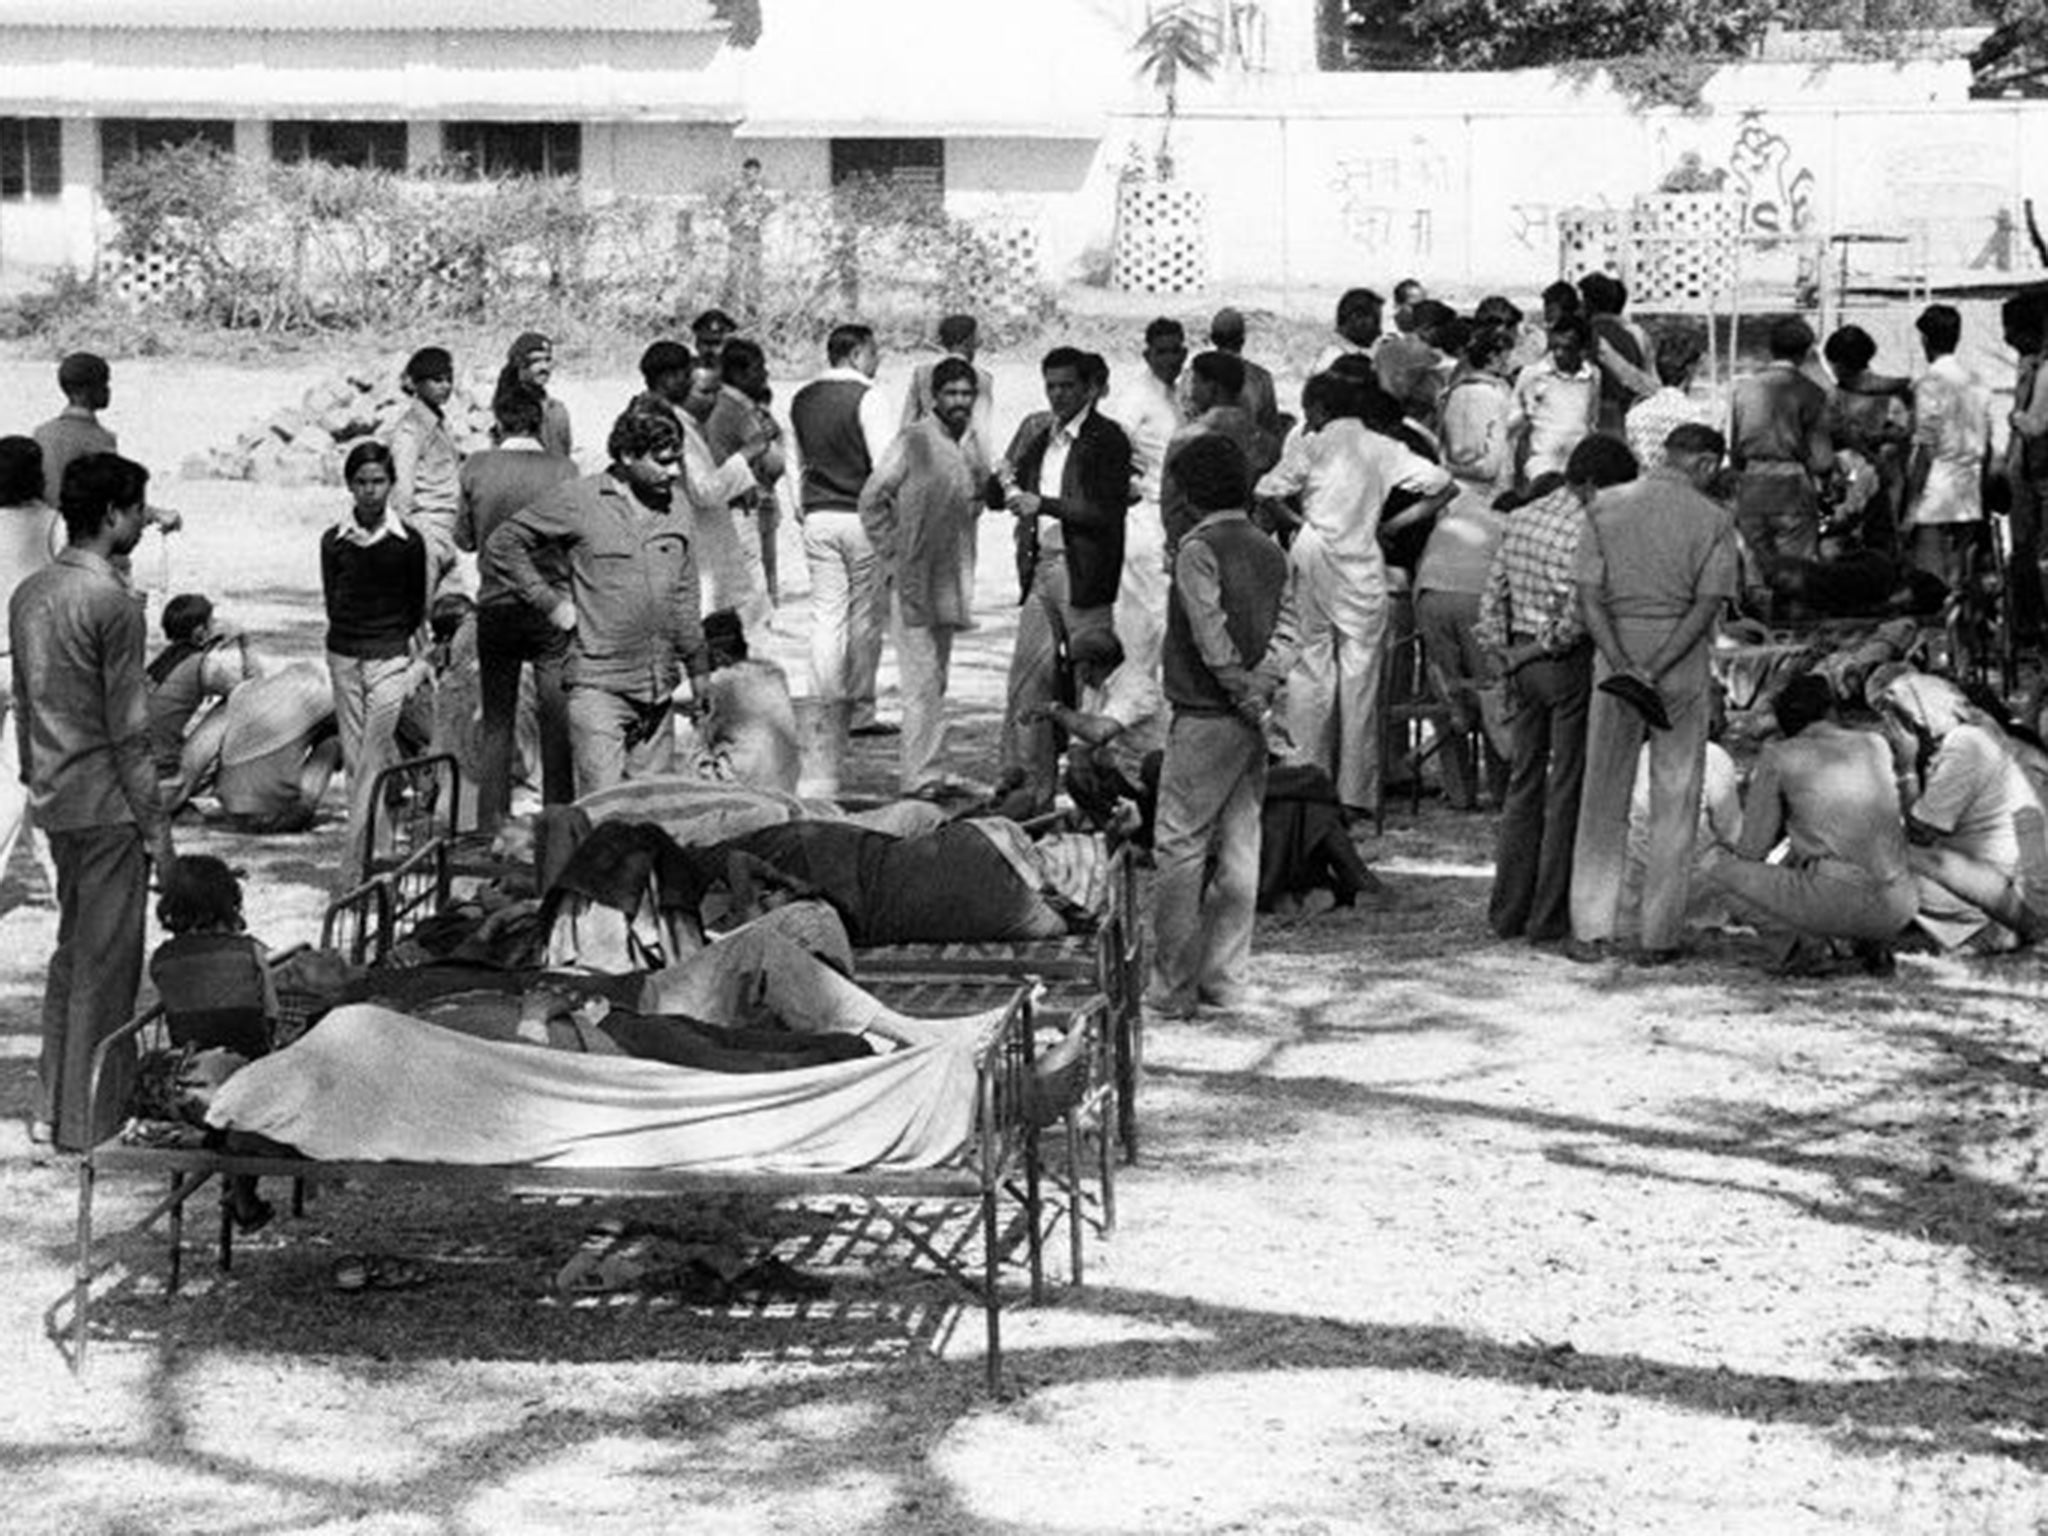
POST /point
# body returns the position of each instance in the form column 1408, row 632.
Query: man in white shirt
column 1557, row 401
column 1343, row 474
column 729, row 570
column 1951, row 440
column 1358, row 327
column 1149, row 410
column 842, row 427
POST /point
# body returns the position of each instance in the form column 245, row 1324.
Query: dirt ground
column 1441, row 1235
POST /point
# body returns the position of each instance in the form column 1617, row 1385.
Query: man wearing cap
column 710, row 331
column 917, row 508
column 1656, row 563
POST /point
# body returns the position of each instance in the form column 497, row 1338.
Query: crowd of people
column 1207, row 586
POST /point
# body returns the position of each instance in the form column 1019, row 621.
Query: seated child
column 214, row 982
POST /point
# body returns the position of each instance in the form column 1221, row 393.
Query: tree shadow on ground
column 1942, row 1401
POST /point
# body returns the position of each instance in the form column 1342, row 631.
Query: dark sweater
column 825, row 416
column 1253, row 574
column 376, row 594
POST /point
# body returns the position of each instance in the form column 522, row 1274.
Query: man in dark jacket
column 1067, row 481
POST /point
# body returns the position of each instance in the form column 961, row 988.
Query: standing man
column 1214, row 394
column 741, row 423
column 1358, row 328
column 1529, row 622
column 1951, row 443
column 1067, row 481
column 1226, row 334
column 75, row 431
column 1556, row 401
column 918, row 508
column 2024, row 319
column 747, row 207
column 622, row 584
column 88, row 386
column 77, row 638
column 1655, row 565
column 718, row 488
column 1778, row 442
column 959, row 337
column 1342, row 474
column 511, row 634
column 843, row 427
column 1148, row 409
column 1229, row 632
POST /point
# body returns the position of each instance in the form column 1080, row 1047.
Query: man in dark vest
column 1067, row 480
column 842, row 428
column 1230, row 640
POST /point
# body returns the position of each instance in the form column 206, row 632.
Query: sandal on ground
column 376, row 1272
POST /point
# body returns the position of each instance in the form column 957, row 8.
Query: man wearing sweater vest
column 624, row 589
column 510, row 634
column 1229, row 642
column 843, row 426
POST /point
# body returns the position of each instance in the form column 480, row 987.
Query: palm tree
column 1177, row 37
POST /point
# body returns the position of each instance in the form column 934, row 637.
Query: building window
column 516, row 149
column 361, row 146
column 30, row 158
column 916, row 165
column 123, row 139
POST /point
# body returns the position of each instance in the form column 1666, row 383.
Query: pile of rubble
column 306, row 443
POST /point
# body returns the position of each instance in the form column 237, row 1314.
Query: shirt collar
column 81, row 413
column 1070, row 431
column 89, row 560
column 1227, row 515
column 349, row 531
column 842, row 372
column 520, row 444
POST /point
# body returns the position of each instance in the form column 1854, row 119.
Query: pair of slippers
column 376, row 1272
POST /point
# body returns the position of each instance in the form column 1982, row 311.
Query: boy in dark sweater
column 373, row 572
column 1230, row 638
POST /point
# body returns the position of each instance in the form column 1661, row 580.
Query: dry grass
column 1441, row 1236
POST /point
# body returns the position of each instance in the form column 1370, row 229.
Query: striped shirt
column 1530, row 593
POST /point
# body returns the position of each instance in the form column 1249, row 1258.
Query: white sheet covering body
column 368, row 1084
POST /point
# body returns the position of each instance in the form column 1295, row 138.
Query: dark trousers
column 1532, row 875
column 102, row 890
column 2029, row 612
column 509, row 636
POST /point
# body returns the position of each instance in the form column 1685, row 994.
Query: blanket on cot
column 370, row 1085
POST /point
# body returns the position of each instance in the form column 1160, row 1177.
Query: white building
column 1314, row 181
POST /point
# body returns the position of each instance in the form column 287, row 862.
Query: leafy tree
column 1177, row 40
column 1669, row 40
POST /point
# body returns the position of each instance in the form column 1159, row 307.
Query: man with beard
column 629, row 603
column 77, row 640
column 919, row 507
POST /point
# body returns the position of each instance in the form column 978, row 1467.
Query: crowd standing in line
column 1549, row 514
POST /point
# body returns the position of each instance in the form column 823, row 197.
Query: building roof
column 606, row 16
